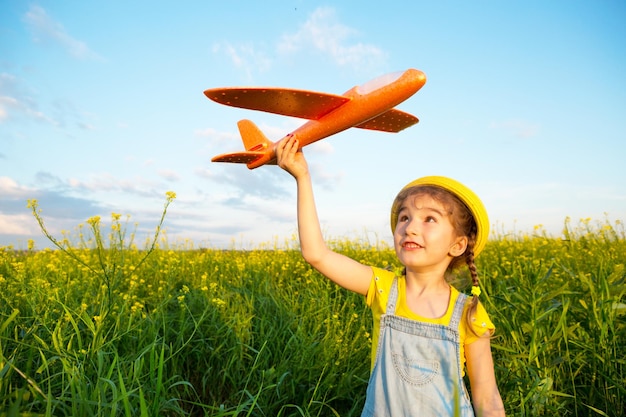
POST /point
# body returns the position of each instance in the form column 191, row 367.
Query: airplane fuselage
column 363, row 106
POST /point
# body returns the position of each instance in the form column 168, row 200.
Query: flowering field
column 101, row 328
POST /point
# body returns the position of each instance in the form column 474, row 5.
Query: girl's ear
column 459, row 246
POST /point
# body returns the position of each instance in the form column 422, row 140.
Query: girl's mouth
column 411, row 245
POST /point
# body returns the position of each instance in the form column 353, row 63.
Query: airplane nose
column 415, row 78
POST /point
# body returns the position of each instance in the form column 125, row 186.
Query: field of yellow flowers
column 98, row 327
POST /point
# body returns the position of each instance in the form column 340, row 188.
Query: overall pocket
column 415, row 371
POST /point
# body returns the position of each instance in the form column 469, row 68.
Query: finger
column 283, row 152
column 287, row 151
column 283, row 145
column 284, row 148
column 293, row 144
column 289, row 141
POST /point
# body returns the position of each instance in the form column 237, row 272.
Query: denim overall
column 417, row 371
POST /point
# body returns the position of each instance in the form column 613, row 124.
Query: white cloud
column 322, row 32
column 204, row 173
column 5, row 104
column 21, row 225
column 246, row 56
column 323, row 147
column 11, row 107
column 45, row 29
column 16, row 218
column 14, row 102
column 108, row 183
column 169, row 175
column 325, row 178
column 10, row 189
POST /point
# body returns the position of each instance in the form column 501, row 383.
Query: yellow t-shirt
column 377, row 301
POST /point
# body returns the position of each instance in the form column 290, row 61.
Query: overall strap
column 457, row 314
column 393, row 298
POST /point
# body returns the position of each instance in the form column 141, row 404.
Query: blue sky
column 102, row 110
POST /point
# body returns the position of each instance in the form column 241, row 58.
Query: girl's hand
column 290, row 158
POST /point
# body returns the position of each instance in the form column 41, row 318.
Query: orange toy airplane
column 369, row 106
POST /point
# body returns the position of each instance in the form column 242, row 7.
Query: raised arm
column 341, row 269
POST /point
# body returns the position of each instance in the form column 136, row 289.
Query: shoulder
column 480, row 321
column 380, row 286
column 383, row 275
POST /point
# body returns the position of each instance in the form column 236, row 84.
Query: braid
column 469, row 259
column 473, row 303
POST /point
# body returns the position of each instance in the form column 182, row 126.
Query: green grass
column 103, row 330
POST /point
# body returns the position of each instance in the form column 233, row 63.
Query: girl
column 424, row 330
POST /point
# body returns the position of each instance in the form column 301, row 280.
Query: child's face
column 424, row 236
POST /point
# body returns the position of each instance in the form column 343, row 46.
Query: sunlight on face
column 424, row 235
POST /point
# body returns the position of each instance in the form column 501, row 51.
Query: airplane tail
column 253, row 139
column 259, row 149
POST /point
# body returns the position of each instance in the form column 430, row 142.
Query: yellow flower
column 136, row 307
column 94, row 221
column 171, row 195
column 476, row 290
column 218, row 302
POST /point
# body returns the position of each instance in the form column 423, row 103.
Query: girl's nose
column 412, row 227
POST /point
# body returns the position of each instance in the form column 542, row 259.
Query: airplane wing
column 238, row 157
column 391, row 121
column 289, row 102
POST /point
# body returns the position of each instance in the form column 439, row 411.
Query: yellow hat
column 464, row 194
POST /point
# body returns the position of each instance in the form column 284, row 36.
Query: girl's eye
column 403, row 218
column 430, row 219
